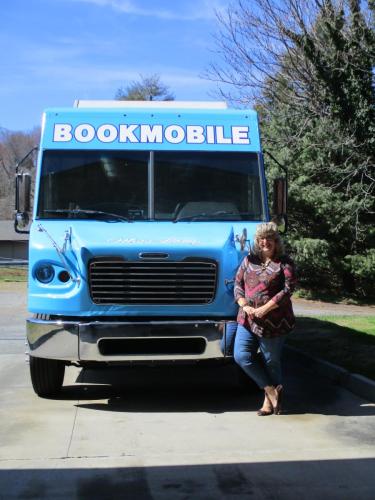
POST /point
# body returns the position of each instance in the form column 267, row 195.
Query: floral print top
column 258, row 283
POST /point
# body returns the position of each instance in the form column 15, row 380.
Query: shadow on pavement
column 185, row 400
column 179, row 388
column 310, row 479
column 206, row 389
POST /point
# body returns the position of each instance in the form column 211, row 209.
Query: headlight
column 44, row 273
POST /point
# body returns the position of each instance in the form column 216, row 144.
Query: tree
column 308, row 66
column 149, row 88
column 13, row 147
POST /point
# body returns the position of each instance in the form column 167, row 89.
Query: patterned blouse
column 258, row 283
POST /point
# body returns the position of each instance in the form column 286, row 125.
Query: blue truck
column 142, row 214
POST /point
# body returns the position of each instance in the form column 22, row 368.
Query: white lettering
column 194, row 134
column 151, row 133
column 148, row 134
column 210, row 131
column 240, row 135
column 174, row 134
column 107, row 133
column 127, row 133
column 221, row 139
column 62, row 132
column 84, row 132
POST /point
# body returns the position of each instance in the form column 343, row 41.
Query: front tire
column 47, row 376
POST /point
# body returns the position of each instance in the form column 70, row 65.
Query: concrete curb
column 358, row 384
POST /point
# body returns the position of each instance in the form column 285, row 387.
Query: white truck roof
column 79, row 103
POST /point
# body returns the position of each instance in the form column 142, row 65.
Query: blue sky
column 56, row 51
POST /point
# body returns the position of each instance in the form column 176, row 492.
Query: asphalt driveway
column 175, row 432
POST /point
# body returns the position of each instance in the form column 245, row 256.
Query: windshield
column 139, row 185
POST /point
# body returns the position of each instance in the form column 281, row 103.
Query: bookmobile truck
column 142, row 214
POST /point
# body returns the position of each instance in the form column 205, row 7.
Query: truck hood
column 117, row 238
column 172, row 238
column 73, row 244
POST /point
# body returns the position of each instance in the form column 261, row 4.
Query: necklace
column 265, row 264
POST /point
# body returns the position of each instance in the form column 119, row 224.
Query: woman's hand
column 250, row 311
column 261, row 311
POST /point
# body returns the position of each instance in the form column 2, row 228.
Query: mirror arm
column 21, row 217
column 18, row 164
column 283, row 167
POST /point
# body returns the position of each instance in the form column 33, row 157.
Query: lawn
column 9, row 274
column 362, row 324
column 348, row 341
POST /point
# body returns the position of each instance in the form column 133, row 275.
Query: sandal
column 262, row 412
column 277, row 407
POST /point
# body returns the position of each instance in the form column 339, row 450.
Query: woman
column 264, row 283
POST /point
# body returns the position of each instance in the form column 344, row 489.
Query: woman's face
column 267, row 246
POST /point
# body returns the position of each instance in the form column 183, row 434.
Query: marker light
column 44, row 273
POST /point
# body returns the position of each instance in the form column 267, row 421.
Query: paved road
column 303, row 307
column 175, row 433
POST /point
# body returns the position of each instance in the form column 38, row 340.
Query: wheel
column 47, row 376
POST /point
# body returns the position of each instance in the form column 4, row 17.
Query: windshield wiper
column 79, row 211
column 209, row 215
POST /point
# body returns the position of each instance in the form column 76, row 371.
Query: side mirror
column 23, row 201
column 280, row 201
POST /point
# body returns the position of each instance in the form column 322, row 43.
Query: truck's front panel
column 137, row 232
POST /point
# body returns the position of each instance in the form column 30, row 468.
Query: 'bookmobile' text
column 133, row 133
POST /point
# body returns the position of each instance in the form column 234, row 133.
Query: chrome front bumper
column 127, row 341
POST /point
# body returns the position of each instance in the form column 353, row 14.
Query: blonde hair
column 268, row 230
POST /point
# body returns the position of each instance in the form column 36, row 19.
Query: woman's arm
column 289, row 272
column 239, row 290
column 239, row 285
column 290, row 280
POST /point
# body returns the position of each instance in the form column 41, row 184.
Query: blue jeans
column 227, row 341
column 265, row 369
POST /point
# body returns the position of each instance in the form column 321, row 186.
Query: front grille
column 118, row 281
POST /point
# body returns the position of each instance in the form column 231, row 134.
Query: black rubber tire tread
column 47, row 376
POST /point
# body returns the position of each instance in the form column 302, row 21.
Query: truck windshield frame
column 174, row 186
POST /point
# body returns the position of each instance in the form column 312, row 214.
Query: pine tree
column 308, row 65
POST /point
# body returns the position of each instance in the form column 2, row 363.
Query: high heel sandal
column 265, row 413
column 277, row 407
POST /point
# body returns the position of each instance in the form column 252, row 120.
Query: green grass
column 347, row 341
column 11, row 274
column 361, row 324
